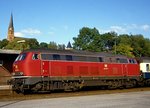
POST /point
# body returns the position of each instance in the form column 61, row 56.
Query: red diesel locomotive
column 47, row 70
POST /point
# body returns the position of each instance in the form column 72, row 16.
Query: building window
column 147, row 67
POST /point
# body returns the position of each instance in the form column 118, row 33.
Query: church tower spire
column 10, row 35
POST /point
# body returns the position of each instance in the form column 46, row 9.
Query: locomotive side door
column 125, row 70
column 45, row 68
column 124, row 62
column 45, row 71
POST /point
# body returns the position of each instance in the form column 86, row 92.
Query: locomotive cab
column 17, row 65
column 25, row 68
column 27, row 64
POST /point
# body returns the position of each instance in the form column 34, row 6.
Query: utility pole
column 115, row 44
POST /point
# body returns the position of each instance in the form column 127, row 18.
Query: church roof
column 69, row 45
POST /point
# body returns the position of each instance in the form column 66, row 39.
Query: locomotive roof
column 74, row 52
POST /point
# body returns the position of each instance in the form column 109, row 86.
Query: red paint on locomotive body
column 37, row 67
column 133, row 70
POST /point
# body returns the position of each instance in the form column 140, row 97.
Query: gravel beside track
column 8, row 95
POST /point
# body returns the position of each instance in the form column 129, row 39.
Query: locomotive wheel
column 130, row 84
column 113, row 84
column 37, row 87
column 71, row 86
column 75, row 86
column 24, row 91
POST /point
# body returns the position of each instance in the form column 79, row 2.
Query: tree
column 52, row 45
column 3, row 43
column 146, row 48
column 22, row 44
column 88, row 39
column 33, row 43
column 18, row 44
column 124, row 49
column 108, row 40
column 125, row 39
column 12, row 45
column 61, row 46
column 138, row 43
column 43, row 45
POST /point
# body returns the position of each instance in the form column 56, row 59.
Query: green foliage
column 3, row 43
column 17, row 44
column 33, row 43
column 61, row 46
column 52, row 45
column 125, row 39
column 129, row 45
column 124, row 49
column 88, row 39
column 146, row 48
column 22, row 44
column 108, row 40
column 43, row 45
column 138, row 45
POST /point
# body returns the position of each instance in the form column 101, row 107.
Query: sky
column 61, row 20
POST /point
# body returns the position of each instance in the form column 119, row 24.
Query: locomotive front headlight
column 17, row 74
column 15, row 67
column 21, row 73
column 13, row 74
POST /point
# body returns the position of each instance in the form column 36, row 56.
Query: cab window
column 21, row 57
column 17, row 58
column 132, row 61
column 35, row 56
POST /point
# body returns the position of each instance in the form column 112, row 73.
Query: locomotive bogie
column 71, row 84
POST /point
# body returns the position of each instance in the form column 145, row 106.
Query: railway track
column 8, row 95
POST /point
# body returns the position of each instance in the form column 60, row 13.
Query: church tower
column 10, row 35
